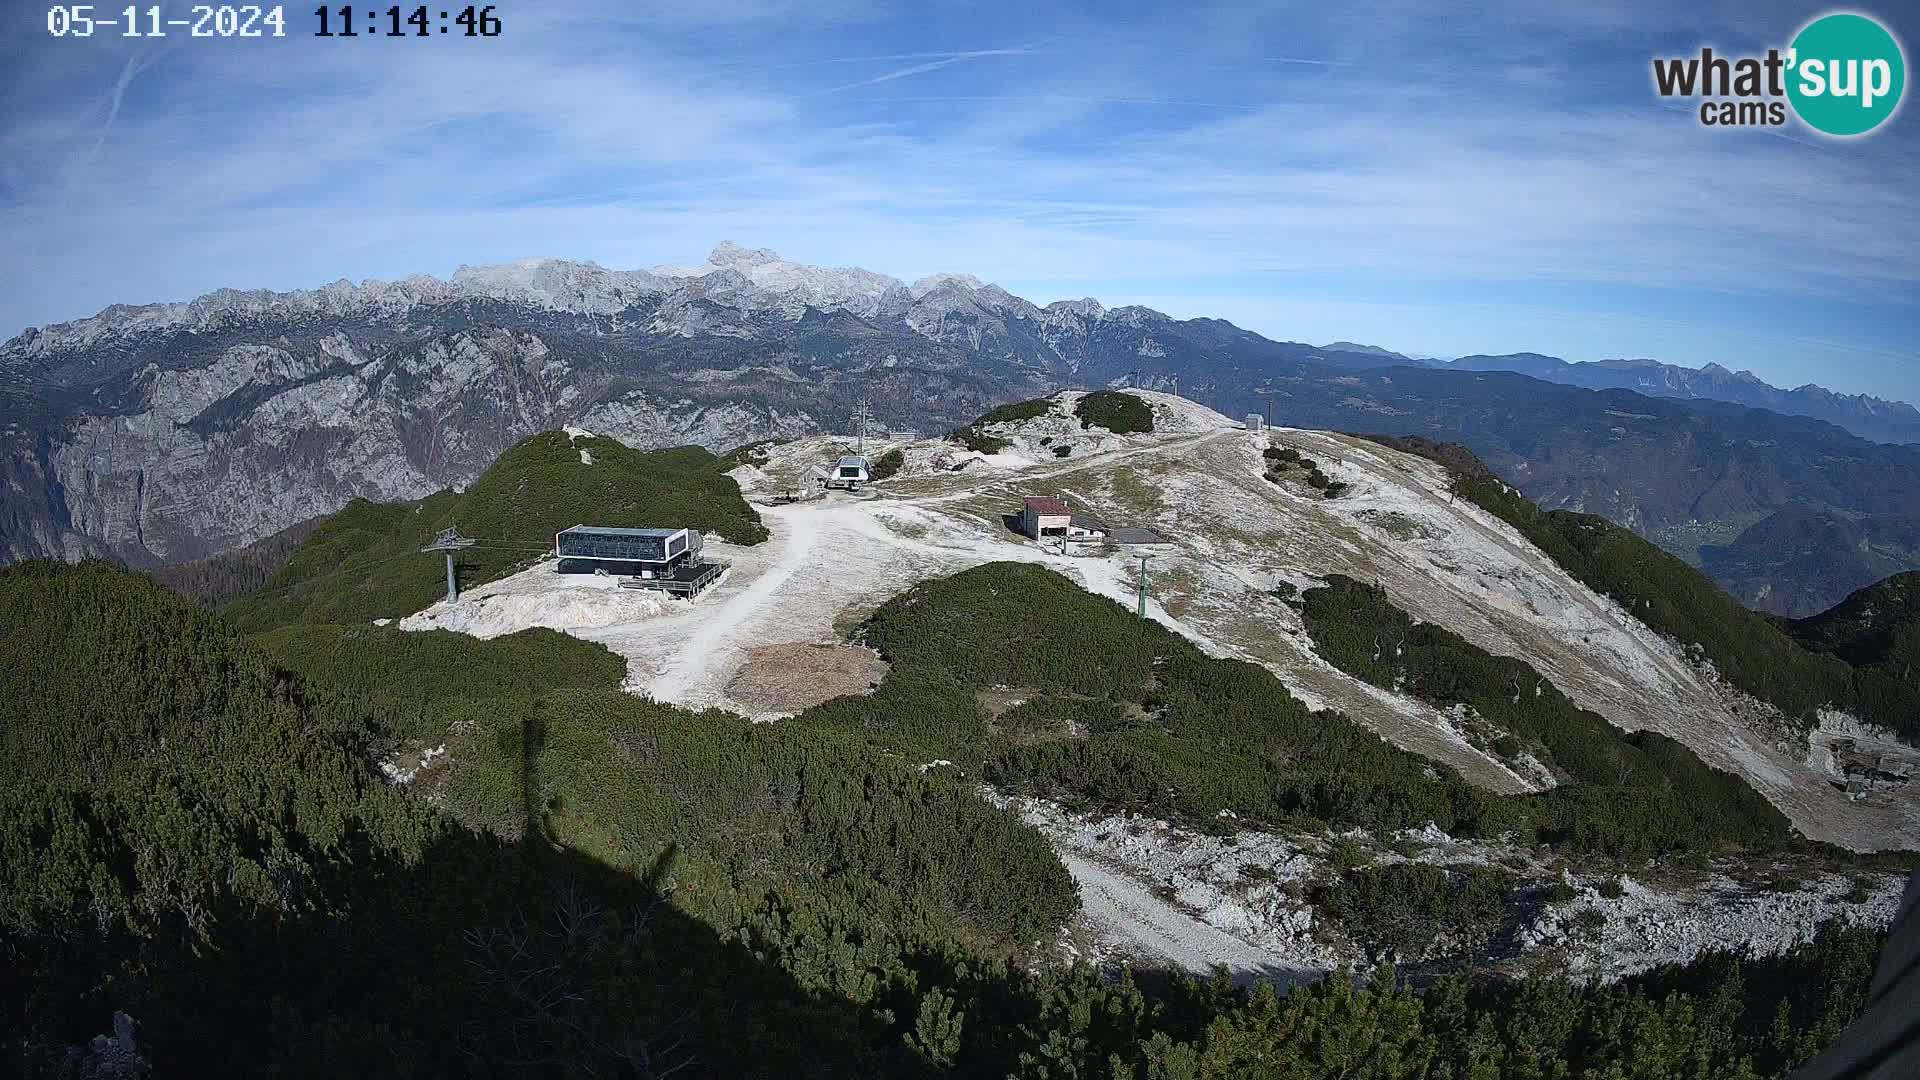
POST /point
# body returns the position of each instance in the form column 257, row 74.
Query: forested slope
column 614, row 887
column 365, row 563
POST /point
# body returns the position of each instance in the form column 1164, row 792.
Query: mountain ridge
column 1870, row 417
column 166, row 433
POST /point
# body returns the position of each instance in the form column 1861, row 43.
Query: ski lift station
column 850, row 472
column 666, row 559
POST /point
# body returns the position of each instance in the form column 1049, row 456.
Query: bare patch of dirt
column 998, row 699
column 796, row 675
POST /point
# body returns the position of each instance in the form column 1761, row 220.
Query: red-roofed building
column 1045, row 516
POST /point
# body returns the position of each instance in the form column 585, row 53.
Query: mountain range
column 168, row 432
column 1866, row 416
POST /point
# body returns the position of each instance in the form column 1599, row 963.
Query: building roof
column 852, row 462
column 1046, row 504
column 1086, row 521
column 602, row 530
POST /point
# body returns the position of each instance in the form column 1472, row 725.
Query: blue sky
column 1438, row 177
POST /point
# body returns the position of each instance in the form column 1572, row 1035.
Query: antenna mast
column 1143, row 585
column 861, row 419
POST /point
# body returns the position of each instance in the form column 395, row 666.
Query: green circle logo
column 1847, row 74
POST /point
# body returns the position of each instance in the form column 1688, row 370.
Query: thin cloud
column 922, row 68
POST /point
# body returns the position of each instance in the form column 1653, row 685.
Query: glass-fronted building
column 586, row 548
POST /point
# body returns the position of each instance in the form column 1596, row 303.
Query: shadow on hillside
column 489, row 958
column 484, row 959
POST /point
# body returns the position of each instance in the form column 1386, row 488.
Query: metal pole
column 1143, row 585
column 449, row 541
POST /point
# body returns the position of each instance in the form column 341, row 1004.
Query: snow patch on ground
column 397, row 771
column 586, row 457
column 1646, row 927
column 539, row 596
column 574, row 433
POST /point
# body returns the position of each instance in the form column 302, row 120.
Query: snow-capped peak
column 734, row 276
column 784, row 284
column 935, row 282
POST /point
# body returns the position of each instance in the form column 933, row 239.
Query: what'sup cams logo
column 1843, row 75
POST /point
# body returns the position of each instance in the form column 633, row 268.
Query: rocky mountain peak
column 1086, row 307
column 728, row 253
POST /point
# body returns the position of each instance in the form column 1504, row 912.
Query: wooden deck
column 687, row 579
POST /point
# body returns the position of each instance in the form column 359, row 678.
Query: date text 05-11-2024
column 252, row 20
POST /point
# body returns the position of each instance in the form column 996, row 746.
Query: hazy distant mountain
column 169, row 432
column 1367, row 350
column 1868, row 417
column 1798, row 561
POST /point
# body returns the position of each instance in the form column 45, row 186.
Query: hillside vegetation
column 604, row 886
column 406, row 682
column 1117, row 412
column 974, row 436
column 223, row 578
column 1877, row 631
column 1117, row 712
column 1018, row 676
column 365, row 563
column 1748, row 649
column 1620, row 794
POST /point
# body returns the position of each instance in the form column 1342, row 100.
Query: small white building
column 1256, row 422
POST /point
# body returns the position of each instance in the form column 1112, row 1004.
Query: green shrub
column 1118, row 412
column 1414, row 909
column 887, row 465
column 1062, row 450
column 979, row 442
column 1861, row 890
column 1016, row 412
column 1612, row 887
column 1560, row 892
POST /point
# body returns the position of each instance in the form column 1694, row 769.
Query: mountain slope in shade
column 1878, row 625
column 1866, row 416
column 1797, row 561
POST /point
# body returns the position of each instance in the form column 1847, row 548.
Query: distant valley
column 166, row 433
